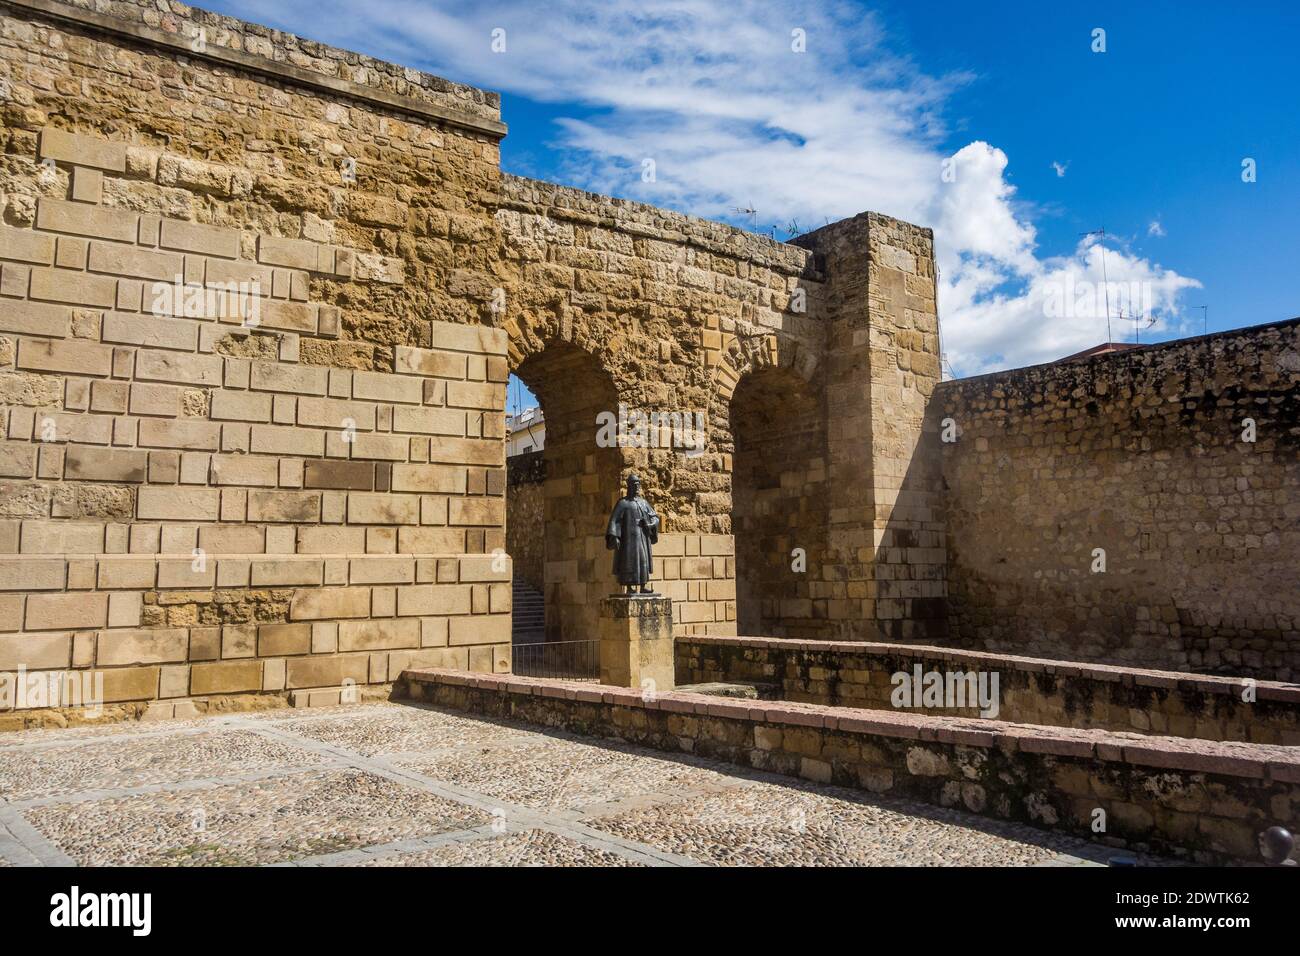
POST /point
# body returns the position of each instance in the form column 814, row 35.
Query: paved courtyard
column 399, row 785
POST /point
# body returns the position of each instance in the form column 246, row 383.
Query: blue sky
column 996, row 124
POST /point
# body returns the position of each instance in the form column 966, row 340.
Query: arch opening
column 779, row 505
column 561, row 489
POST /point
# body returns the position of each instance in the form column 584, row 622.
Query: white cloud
column 1155, row 229
column 1060, row 169
column 714, row 94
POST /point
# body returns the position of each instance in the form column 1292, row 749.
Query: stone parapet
column 1030, row 690
column 1199, row 800
column 236, row 44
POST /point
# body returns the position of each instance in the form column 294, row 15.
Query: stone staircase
column 528, row 618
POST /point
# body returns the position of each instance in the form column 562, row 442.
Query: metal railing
column 562, row 660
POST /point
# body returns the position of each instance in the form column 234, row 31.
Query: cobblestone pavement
column 401, row 785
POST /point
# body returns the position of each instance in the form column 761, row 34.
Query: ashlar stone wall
column 624, row 304
column 809, row 343
column 296, row 486
column 1144, row 459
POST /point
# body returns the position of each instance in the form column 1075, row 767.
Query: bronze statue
column 633, row 528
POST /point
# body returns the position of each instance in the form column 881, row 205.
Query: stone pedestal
column 636, row 641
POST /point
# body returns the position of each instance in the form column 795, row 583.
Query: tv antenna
column 1137, row 323
column 749, row 211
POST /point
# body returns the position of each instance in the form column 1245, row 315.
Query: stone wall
column 1140, row 454
column 1033, row 691
column 525, row 526
column 398, row 277
column 675, row 313
column 622, row 303
column 1198, row 800
column 883, row 573
column 297, row 484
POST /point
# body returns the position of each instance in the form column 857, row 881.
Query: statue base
column 636, row 641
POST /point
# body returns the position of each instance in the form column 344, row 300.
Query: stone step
column 528, row 615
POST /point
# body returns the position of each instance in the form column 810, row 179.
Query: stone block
column 277, row 440
column 476, row 511
column 636, row 642
column 124, row 609
column 49, row 612
column 71, row 358
column 34, row 318
column 286, row 506
column 204, row 240
column 76, row 149
column 429, row 421
column 326, row 671
column 17, row 460
column 283, row 640
column 378, row 633
column 314, row 604
column 433, row 599
column 192, row 370
column 178, row 504
column 290, row 253
column 23, row 245
column 383, row 509
column 97, row 222
column 142, row 646
column 479, row 629
column 130, row 683
column 246, row 470
column 381, row 387
column 287, row 573
column 488, row 396
column 343, row 475
column 135, row 263
column 479, row 339
column 416, row 361
column 380, row 570
column 123, row 328
column 435, row 479
column 34, row 651
column 225, row 677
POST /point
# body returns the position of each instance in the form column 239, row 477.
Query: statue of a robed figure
column 633, row 528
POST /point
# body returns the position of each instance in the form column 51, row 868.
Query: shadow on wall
column 778, row 503
column 525, row 520
column 580, row 486
column 907, row 575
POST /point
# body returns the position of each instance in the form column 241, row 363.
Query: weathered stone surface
column 317, row 438
column 636, row 642
column 1139, row 454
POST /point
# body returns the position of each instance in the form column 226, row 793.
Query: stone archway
column 779, row 504
column 580, row 486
